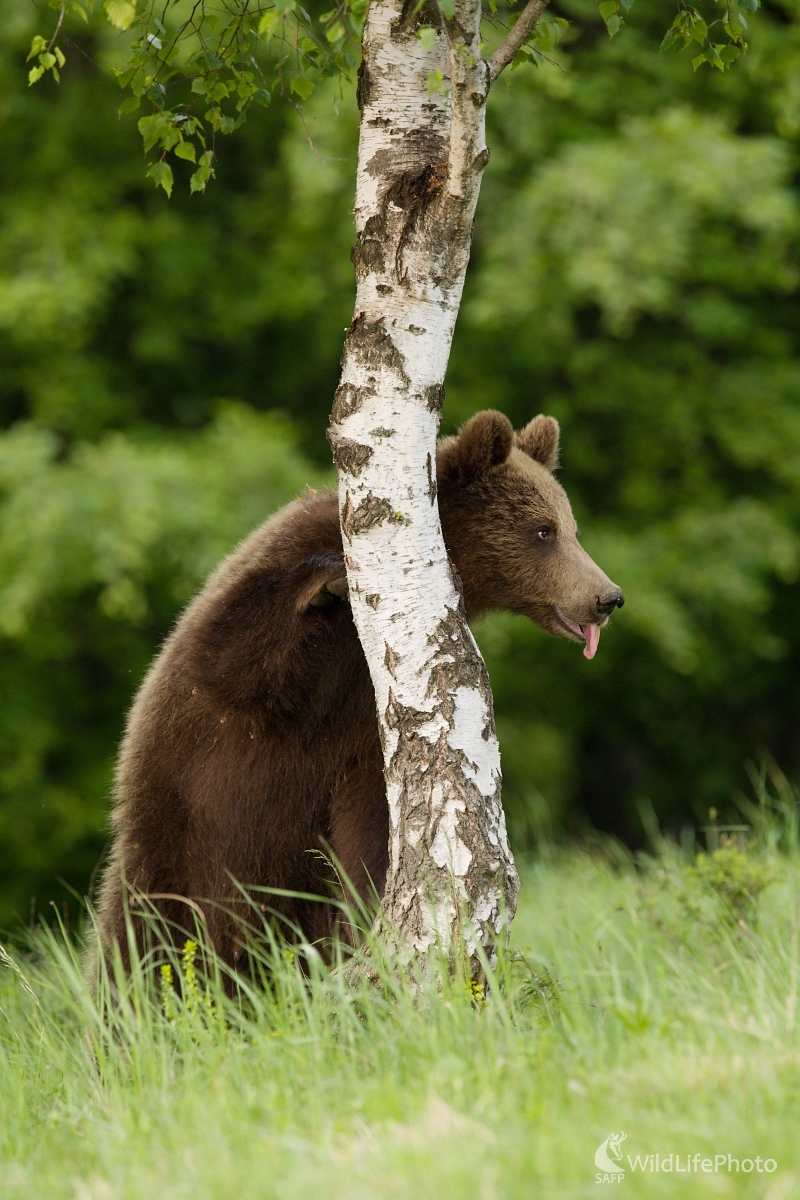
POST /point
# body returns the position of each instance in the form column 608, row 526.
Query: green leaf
column 161, row 174
column 729, row 54
column 35, row 74
column 427, row 37
column 204, row 172
column 715, row 58
column 156, row 92
column 37, row 46
column 448, row 9
column 262, row 96
column 80, row 10
column 302, row 87
column 121, row 13
column 699, row 30
column 199, row 86
column 158, row 128
column 336, row 32
column 269, row 23
column 613, row 25
column 129, row 105
column 47, row 61
column 698, row 62
column 545, row 37
column 186, row 150
column 59, row 56
column 147, row 128
column 436, row 82
column 217, row 120
column 284, row 6
column 608, row 9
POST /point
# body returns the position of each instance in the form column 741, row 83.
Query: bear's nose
column 607, row 604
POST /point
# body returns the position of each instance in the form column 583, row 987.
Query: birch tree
column 423, row 84
column 421, row 157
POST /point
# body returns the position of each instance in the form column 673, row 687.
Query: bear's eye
column 544, row 532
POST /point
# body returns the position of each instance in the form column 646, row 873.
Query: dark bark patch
column 459, row 586
column 367, row 257
column 413, row 193
column 413, row 173
column 382, row 163
column 349, row 456
column 455, row 662
column 414, row 15
column 373, row 600
column 414, row 190
column 431, row 480
column 346, row 401
column 409, row 155
column 367, row 254
column 390, row 660
column 404, row 718
column 364, row 90
column 371, row 344
column 434, row 397
column 380, row 432
column 373, row 510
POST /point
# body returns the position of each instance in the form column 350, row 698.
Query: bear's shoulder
column 306, row 526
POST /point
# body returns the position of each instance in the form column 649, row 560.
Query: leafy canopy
column 199, row 65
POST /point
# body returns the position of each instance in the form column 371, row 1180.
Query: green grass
column 657, row 997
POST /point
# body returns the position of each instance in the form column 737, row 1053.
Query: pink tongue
column 592, row 635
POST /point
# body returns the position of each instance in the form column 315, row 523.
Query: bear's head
column 509, row 528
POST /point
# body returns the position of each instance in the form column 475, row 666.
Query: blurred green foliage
column 99, row 549
column 635, row 273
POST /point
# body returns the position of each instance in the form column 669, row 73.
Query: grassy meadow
column 655, row 996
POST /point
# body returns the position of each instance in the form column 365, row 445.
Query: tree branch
column 520, row 32
column 467, row 80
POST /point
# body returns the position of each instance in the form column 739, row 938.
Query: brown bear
column 252, row 748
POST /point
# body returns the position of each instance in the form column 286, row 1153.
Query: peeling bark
column 421, row 157
column 349, row 455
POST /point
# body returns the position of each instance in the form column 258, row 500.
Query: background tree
column 636, row 744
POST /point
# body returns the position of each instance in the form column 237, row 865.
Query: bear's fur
column 252, row 747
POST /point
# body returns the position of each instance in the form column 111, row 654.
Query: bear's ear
column 539, row 440
column 485, row 441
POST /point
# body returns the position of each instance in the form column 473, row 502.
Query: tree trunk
column 420, row 161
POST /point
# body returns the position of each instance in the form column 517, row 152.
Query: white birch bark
column 420, row 162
